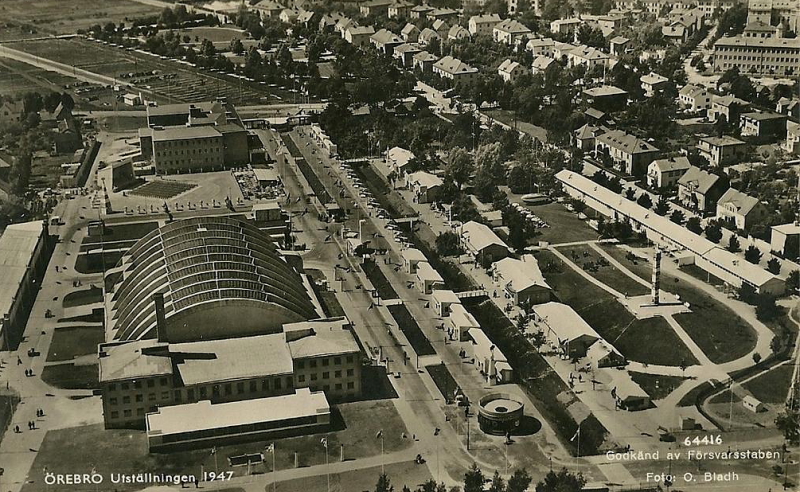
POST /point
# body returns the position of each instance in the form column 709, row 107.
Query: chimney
column 161, row 317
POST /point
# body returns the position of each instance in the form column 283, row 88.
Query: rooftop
column 511, row 26
column 204, row 415
column 319, row 338
column 604, row 90
column 479, row 236
column 521, row 274
column 126, row 360
column 564, row 321
column 17, row 245
column 753, row 42
column 626, row 142
column 742, row 202
column 184, row 133
column 672, row 164
column 700, row 179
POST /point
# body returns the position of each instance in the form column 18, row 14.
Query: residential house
column 628, row 153
column 359, row 36
column 618, row 45
column 585, row 136
column 410, row 33
column 653, row 83
column 398, row 158
column 482, row 243
column 483, row 24
column 424, row 61
column 268, row 8
column 664, row 173
column 328, row 21
column 441, row 27
column 427, row 36
column 540, row 46
column 424, row 185
column 343, row 24
column 588, row 57
column 306, row 18
column 789, row 107
column 700, row 190
column 541, row 64
column 509, row 32
column 565, row 26
column 675, row 34
column 785, row 239
column 405, row 53
column 694, row 98
column 759, row 29
column 763, row 124
column 721, row 150
column 400, row 9
column 741, row 210
column 420, row 11
column 441, row 14
column 375, row 7
column 455, row 70
column 457, row 32
column 289, row 16
column 792, row 143
column 728, row 106
column 606, row 98
column 510, row 70
column 610, row 22
column 385, row 41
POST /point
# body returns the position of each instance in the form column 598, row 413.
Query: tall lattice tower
column 656, row 276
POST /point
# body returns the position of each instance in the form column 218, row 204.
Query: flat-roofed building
column 461, row 321
column 606, row 98
column 785, row 239
column 490, row 361
column 25, row 251
column 763, row 124
column 207, row 424
column 443, row 299
column 428, row 279
column 424, row 185
column 411, row 258
column 629, row 395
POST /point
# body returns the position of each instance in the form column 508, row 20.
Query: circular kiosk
column 500, row 413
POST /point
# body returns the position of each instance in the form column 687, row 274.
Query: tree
column 793, row 281
column 563, row 481
column 662, row 206
column 714, row 232
column 733, row 244
column 774, row 266
column 448, row 244
column 630, row 194
column 431, row 486
column 519, row 481
column 459, row 166
column 644, row 200
column 693, row 224
column 384, row 484
column 788, row 422
column 756, row 357
column 237, row 46
column 677, row 216
column 473, row 479
column 498, row 484
column 766, row 308
column 752, row 254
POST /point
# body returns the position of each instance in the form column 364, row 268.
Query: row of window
column 185, row 143
column 337, row 387
column 764, row 59
column 337, row 361
column 301, row 378
column 151, row 383
column 139, row 398
column 204, row 150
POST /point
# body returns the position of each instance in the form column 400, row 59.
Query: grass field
column 714, row 327
column 585, row 256
column 507, row 116
column 379, row 280
column 7, row 405
column 408, row 325
column 690, row 397
column 70, row 376
column 400, row 474
column 565, row 227
column 655, row 385
column 443, row 379
column 162, row 189
column 57, row 16
column 16, row 78
column 83, row 297
column 71, row 342
column 125, row 451
column 772, row 387
column 214, row 34
column 650, row 341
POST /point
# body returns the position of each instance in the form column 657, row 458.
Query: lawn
column 597, row 266
column 331, row 304
column 67, row 17
column 400, row 474
column 714, row 327
column 424, row 240
column 125, row 451
column 689, row 398
column 389, row 200
column 507, row 116
column 565, row 226
column 656, row 385
column 71, row 342
column 162, row 189
column 443, row 379
column 408, row 325
column 70, row 376
column 96, row 263
column 700, row 274
column 7, row 405
column 83, row 297
column 379, row 280
column 650, row 341
column 773, row 386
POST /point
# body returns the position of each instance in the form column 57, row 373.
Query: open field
column 772, row 387
column 213, row 34
column 713, row 326
column 125, row 451
column 74, row 341
column 650, row 341
column 172, row 81
column 59, row 17
column 162, row 189
column 17, row 77
column 656, row 385
column 71, row 376
column 405, row 473
column 590, row 260
column 565, row 227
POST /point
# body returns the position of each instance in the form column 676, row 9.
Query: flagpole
column 327, row 467
column 274, row 480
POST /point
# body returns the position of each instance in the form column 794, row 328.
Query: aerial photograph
column 399, row 245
